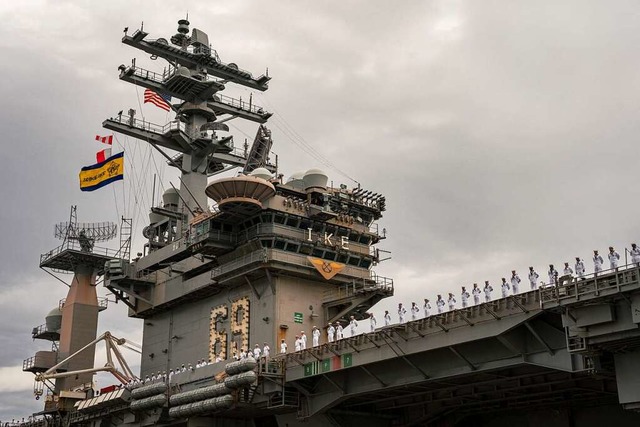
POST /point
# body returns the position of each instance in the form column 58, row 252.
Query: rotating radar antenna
column 86, row 234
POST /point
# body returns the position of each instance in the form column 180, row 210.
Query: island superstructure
column 217, row 280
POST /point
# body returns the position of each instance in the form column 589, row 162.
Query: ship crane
column 116, row 363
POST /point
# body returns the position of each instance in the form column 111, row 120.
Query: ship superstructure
column 270, row 259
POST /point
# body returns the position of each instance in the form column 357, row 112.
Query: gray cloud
column 502, row 133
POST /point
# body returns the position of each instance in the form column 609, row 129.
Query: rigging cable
column 297, row 139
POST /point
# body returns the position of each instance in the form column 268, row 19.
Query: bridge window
column 292, row 247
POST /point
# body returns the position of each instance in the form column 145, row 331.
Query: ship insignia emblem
column 113, row 169
column 328, row 269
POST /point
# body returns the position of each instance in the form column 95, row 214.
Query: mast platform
column 175, row 136
column 201, row 56
column 178, row 83
column 69, row 255
column 175, row 83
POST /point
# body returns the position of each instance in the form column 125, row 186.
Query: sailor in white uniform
column 266, row 350
column 440, row 304
column 579, row 267
column 303, row 340
column 372, row 322
column 257, row 352
column 331, row 331
column 505, row 288
column 451, row 302
column 353, row 326
column 414, row 311
column 487, row 291
column 476, row 292
column 401, row 312
column 298, row 343
column 426, row 307
column 464, row 297
column 515, row 282
column 614, row 257
column 339, row 333
column 387, row 318
column 533, row 278
column 315, row 336
column 568, row 271
column 283, row 346
column 597, row 262
column 553, row 275
column 635, row 254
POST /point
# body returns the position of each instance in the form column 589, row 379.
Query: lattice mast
column 194, row 77
column 78, row 255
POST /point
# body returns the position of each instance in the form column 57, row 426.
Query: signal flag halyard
column 105, row 139
column 158, row 99
column 102, row 173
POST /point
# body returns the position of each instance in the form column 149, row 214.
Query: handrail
column 103, row 303
column 590, row 284
column 239, row 103
column 41, row 329
column 153, row 127
column 151, row 75
column 380, row 283
column 75, row 245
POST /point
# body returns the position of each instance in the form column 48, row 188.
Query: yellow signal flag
column 103, row 173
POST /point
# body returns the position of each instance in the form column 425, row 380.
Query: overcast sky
column 503, row 133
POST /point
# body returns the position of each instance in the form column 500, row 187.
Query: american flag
column 158, row 99
column 105, row 139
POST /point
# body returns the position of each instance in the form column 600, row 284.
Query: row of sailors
column 15, row 423
column 513, row 285
column 337, row 331
column 162, row 376
column 257, row 352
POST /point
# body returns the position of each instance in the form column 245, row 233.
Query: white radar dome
column 296, row 180
column 170, row 198
column 53, row 320
column 262, row 173
column 315, row 178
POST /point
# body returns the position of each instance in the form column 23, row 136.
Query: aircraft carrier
column 256, row 258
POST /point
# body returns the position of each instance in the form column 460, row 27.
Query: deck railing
column 590, row 285
column 75, row 246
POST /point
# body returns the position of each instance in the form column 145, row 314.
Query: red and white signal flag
column 103, row 155
column 105, row 139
